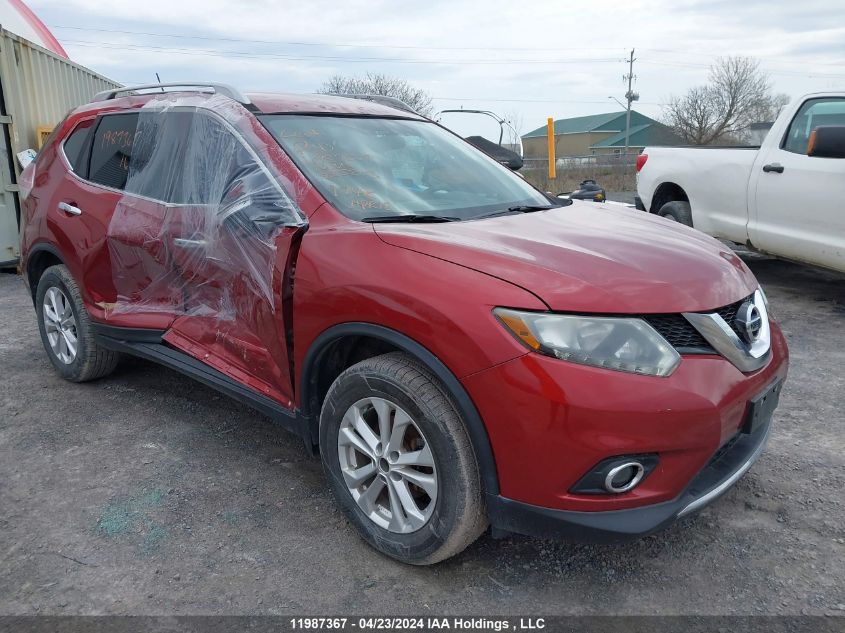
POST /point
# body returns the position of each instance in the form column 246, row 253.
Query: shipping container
column 37, row 89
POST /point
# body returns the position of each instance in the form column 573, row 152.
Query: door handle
column 183, row 243
column 775, row 167
column 69, row 209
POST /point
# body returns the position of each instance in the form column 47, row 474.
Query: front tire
column 677, row 211
column 399, row 460
column 66, row 330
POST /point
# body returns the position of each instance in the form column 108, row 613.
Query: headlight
column 623, row 344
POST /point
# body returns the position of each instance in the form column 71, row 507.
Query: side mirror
column 827, row 141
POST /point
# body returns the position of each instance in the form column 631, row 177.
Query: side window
column 156, row 167
column 111, row 152
column 812, row 114
column 74, row 148
column 219, row 171
column 211, row 152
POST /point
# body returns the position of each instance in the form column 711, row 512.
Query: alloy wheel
column 60, row 325
column 387, row 465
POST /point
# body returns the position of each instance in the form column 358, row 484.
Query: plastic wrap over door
column 128, row 154
column 231, row 247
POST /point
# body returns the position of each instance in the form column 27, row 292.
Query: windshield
column 374, row 167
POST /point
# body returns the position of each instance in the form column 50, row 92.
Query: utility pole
column 629, row 97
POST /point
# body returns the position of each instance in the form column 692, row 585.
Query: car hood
column 588, row 257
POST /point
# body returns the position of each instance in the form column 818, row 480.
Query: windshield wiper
column 521, row 208
column 528, row 208
column 412, row 217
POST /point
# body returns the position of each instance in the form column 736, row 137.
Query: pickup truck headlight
column 619, row 343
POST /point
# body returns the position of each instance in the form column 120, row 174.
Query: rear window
column 112, row 150
column 74, row 147
column 157, row 162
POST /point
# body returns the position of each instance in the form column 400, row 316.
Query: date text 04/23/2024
column 418, row 623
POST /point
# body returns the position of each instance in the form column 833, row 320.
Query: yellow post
column 550, row 132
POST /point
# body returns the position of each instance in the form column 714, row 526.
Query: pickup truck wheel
column 66, row 330
column 399, row 460
column 677, row 211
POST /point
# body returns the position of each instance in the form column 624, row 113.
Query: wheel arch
column 317, row 369
column 39, row 259
column 667, row 192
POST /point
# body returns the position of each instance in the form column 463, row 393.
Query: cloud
column 558, row 58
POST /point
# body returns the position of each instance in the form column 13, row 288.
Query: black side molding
column 126, row 334
column 147, row 344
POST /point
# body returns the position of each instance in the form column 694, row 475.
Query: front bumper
column 726, row 467
column 550, row 422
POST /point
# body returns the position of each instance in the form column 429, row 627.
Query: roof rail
column 384, row 100
column 217, row 88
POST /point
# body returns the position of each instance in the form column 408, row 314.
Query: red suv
column 461, row 349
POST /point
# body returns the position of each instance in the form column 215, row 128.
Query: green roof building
column 599, row 134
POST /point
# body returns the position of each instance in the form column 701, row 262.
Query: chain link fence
column 614, row 172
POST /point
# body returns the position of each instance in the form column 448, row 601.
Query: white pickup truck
column 785, row 198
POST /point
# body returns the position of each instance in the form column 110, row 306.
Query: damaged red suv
column 461, row 349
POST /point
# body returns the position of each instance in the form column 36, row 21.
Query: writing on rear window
column 112, row 150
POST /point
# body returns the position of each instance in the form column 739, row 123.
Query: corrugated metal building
column 37, row 89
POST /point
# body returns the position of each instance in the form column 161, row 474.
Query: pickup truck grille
column 683, row 336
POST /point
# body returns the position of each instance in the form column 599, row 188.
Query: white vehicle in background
column 785, row 198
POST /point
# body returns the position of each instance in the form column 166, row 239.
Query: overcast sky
column 531, row 59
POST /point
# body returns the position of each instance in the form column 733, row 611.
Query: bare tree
column 694, row 115
column 513, row 132
column 771, row 108
column 378, row 84
column 736, row 95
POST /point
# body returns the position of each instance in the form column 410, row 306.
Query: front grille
column 679, row 333
column 683, row 336
column 728, row 313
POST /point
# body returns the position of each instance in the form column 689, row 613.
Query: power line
column 330, row 44
column 794, row 73
column 337, row 58
column 470, row 99
column 699, row 54
column 652, row 103
column 398, row 60
column 685, row 53
column 474, row 99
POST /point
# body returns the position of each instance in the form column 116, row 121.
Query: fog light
column 616, row 475
column 624, row 477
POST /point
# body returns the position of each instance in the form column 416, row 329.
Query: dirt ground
column 146, row 493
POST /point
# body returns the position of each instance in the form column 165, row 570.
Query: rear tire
column 66, row 330
column 407, row 414
column 677, row 211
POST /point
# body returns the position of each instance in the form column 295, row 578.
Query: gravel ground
column 146, row 493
